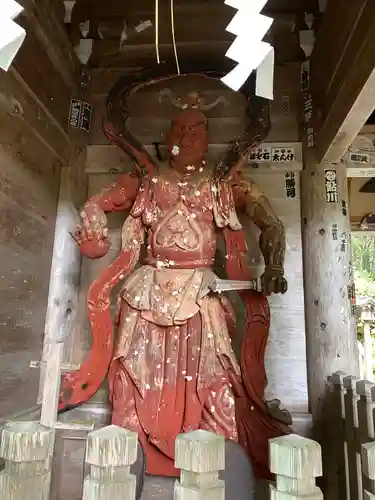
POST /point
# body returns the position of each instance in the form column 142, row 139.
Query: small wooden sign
column 282, row 155
column 272, row 155
column 330, row 177
column 80, row 115
column 261, row 155
column 361, row 158
column 310, row 137
column 307, row 106
column 286, row 105
column 305, row 76
column 85, row 79
column 290, row 184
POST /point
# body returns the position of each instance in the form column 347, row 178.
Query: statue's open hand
column 274, row 281
column 92, row 238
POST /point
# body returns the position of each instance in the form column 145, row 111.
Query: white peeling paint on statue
column 250, row 27
column 11, row 35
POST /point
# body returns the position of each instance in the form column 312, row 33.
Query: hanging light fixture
column 11, row 35
column 248, row 49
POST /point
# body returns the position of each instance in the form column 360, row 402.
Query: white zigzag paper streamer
column 248, row 49
column 11, row 35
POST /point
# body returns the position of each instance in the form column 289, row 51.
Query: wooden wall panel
column 27, row 216
column 34, row 146
column 286, row 352
column 22, row 110
column 37, row 70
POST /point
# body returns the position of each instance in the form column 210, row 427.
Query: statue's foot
column 238, row 474
column 139, row 470
column 282, row 415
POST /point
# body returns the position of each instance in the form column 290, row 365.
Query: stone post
column 200, row 455
column 110, row 453
column 296, row 462
column 27, row 448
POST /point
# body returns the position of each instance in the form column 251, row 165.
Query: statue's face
column 188, row 140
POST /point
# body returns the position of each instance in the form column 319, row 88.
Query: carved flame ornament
column 248, row 49
column 11, row 35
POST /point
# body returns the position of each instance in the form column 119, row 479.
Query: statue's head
column 188, row 137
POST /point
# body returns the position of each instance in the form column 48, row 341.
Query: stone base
column 94, row 490
column 32, row 488
column 190, row 493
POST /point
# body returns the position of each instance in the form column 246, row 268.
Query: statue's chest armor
column 180, row 211
column 193, row 192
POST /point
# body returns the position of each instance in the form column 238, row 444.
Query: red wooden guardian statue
column 172, row 369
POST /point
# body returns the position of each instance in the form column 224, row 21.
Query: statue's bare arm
column 250, row 199
column 92, row 234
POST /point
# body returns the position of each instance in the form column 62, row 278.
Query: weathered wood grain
column 43, row 19
column 19, row 102
column 107, row 53
column 344, row 91
column 27, row 216
column 214, row 30
column 63, row 292
column 42, row 77
column 331, row 338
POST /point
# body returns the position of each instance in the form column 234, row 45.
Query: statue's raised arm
column 92, row 234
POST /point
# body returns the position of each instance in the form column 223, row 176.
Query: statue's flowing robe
column 174, row 367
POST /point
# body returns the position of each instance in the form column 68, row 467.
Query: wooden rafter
column 343, row 75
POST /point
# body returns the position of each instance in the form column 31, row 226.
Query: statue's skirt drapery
column 165, row 380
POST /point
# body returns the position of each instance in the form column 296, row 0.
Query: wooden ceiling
column 116, row 26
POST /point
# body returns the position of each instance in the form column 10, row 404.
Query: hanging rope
column 174, row 37
column 157, row 31
column 173, row 34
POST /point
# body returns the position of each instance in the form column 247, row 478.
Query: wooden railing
column 27, row 448
column 354, row 437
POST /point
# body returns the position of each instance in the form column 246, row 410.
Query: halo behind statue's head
column 257, row 121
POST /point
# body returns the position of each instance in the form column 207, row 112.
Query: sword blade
column 218, row 285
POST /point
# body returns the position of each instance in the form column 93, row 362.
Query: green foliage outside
column 363, row 252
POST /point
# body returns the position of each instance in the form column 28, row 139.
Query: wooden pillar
column 330, row 324
column 331, row 340
column 63, row 296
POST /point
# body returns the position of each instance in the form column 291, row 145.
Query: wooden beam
column 343, row 76
column 42, row 19
column 111, row 9
column 107, row 53
column 110, row 159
